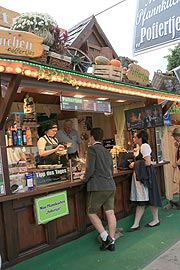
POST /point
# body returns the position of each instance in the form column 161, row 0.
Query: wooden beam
column 5, row 103
column 167, row 107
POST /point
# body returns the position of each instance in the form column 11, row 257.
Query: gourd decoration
column 101, row 60
column 115, row 62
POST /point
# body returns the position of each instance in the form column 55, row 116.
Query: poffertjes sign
column 138, row 74
column 7, row 17
column 20, row 44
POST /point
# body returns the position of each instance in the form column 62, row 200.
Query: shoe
column 133, row 229
column 111, row 247
column 105, row 244
column 151, row 226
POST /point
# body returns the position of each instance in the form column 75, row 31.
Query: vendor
column 69, row 135
column 49, row 150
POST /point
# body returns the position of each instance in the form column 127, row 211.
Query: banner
column 157, row 23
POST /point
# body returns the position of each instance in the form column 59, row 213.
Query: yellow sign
column 138, row 74
column 7, row 17
column 20, row 44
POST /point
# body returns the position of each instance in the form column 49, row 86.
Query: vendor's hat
column 50, row 125
column 176, row 132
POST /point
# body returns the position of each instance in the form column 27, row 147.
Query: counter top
column 62, row 185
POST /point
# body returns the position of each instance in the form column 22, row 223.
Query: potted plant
column 57, row 53
column 43, row 25
column 37, row 23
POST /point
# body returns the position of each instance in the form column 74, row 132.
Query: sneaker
column 111, row 247
column 105, row 244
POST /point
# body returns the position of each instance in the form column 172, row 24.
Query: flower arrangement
column 60, row 37
column 37, row 23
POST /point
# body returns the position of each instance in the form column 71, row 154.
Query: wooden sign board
column 19, row 43
column 7, row 17
column 138, row 74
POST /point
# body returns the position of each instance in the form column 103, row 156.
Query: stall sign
column 51, row 207
column 157, row 24
column 138, row 74
column 43, row 177
column 7, row 17
column 19, row 43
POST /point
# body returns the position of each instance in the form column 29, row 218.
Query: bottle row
column 18, row 136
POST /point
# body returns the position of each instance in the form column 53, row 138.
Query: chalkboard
column 43, row 177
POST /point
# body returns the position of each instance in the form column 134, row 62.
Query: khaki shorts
column 98, row 199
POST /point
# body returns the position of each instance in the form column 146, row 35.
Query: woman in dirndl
column 144, row 186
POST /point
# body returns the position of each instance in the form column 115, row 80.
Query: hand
column 174, row 165
column 131, row 165
column 61, row 147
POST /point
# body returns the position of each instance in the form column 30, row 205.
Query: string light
column 51, row 74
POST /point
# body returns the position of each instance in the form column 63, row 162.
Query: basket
column 59, row 61
column 43, row 58
column 108, row 72
column 165, row 82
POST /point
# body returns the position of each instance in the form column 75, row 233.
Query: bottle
column 14, row 136
column 19, row 136
column 9, row 136
column 24, row 140
column 28, row 136
column 29, row 180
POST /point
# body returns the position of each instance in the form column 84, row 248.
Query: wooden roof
column 88, row 32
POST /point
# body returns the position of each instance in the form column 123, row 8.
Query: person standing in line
column 101, row 188
column 70, row 135
column 176, row 163
column 144, row 186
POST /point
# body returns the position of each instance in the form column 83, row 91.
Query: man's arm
column 90, row 164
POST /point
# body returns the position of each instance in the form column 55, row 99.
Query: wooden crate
column 108, row 72
column 165, row 82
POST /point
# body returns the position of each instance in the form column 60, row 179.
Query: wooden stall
column 22, row 234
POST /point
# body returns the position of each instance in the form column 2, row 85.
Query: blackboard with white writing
column 43, row 177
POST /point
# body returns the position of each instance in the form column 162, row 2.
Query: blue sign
column 167, row 118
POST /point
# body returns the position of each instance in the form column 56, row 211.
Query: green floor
column 133, row 251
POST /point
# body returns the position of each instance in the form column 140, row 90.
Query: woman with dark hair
column 48, row 147
column 144, row 186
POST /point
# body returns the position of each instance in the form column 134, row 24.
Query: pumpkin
column 115, row 62
column 101, row 60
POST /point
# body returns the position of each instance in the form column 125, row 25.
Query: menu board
column 71, row 103
column 86, row 104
